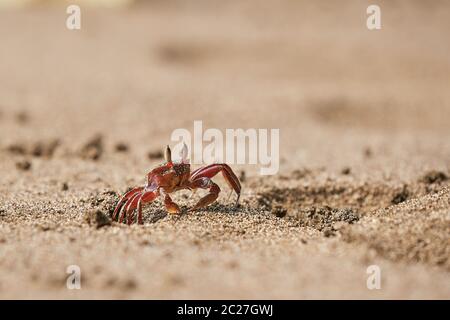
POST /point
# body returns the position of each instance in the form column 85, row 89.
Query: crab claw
column 213, row 169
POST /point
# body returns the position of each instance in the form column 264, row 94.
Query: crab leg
column 145, row 198
column 123, row 200
column 128, row 206
column 130, row 216
column 171, row 206
column 205, row 183
column 213, row 169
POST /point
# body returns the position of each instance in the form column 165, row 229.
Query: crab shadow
column 221, row 208
column 159, row 214
column 155, row 216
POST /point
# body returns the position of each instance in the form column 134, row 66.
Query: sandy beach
column 364, row 176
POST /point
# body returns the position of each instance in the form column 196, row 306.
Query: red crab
column 171, row 177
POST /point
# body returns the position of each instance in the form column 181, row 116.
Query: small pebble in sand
column 242, row 176
column 93, row 149
column 346, row 170
column 37, row 149
column 152, row 155
column 22, row 117
column 300, row 173
column 129, row 284
column 121, row 147
column 16, row 149
column 324, row 218
column 279, row 211
column 44, row 149
column 45, row 226
column 104, row 201
column 96, row 218
column 23, row 165
column 329, row 232
column 401, row 196
column 434, row 176
column 65, row 186
column 368, row 152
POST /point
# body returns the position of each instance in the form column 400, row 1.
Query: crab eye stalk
column 168, row 154
column 184, row 153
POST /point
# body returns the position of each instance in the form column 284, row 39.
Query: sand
column 364, row 146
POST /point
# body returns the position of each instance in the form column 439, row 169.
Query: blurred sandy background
column 364, row 121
